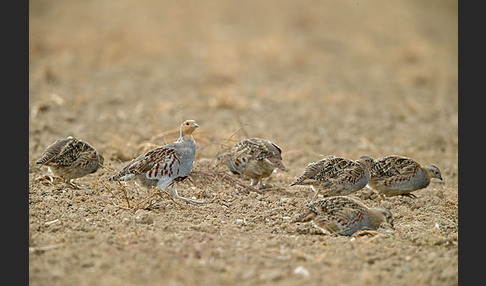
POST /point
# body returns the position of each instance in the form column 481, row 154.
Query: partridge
column 254, row 159
column 337, row 176
column 344, row 215
column 397, row 175
column 166, row 165
column 70, row 158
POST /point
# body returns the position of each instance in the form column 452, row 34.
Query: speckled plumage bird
column 336, row 176
column 396, row 175
column 253, row 158
column 71, row 158
column 163, row 166
column 344, row 215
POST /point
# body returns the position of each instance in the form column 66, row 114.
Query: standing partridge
column 71, row 158
column 344, row 215
column 163, row 166
column 336, row 175
column 253, row 158
column 397, row 175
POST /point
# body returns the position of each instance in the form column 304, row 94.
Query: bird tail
column 298, row 181
column 43, row 160
column 113, row 178
column 121, row 176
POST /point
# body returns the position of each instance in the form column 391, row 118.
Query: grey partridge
column 70, row 158
column 254, row 159
column 344, row 215
column 336, row 176
column 396, row 175
column 166, row 165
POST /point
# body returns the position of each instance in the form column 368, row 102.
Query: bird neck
column 186, row 139
column 427, row 172
column 428, row 177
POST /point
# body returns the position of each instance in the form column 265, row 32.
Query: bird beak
column 195, row 125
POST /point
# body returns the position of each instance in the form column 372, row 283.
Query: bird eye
column 187, row 123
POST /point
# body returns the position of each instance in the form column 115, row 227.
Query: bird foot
column 173, row 194
column 192, row 202
column 409, row 195
column 380, row 197
column 365, row 232
column 156, row 206
column 45, row 180
column 167, row 194
column 265, row 186
column 73, row 186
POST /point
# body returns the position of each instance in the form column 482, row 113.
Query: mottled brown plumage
column 396, row 175
column 165, row 165
column 344, row 215
column 70, row 158
column 336, row 176
column 253, row 158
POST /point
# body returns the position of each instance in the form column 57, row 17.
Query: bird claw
column 74, row 186
column 265, row 186
column 410, row 195
column 45, row 179
column 364, row 232
column 192, row 202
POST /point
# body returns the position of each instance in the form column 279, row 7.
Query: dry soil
column 345, row 78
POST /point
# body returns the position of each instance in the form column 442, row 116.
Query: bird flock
column 255, row 159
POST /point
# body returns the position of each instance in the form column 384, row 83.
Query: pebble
column 300, row 270
column 144, row 217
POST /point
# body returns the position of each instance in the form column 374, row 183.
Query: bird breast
column 186, row 152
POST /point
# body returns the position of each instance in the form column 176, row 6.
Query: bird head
column 387, row 216
column 433, row 171
column 188, row 127
column 366, row 160
column 223, row 158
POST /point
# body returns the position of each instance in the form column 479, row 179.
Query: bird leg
column 173, row 193
column 257, row 183
column 266, row 184
column 71, row 184
column 380, row 196
column 254, row 182
column 160, row 192
column 317, row 193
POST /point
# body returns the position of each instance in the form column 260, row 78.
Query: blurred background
column 317, row 77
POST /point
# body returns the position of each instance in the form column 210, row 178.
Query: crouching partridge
column 336, row 176
column 395, row 175
column 253, row 158
column 70, row 158
column 344, row 215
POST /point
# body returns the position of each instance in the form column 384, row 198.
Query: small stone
column 144, row 217
column 253, row 195
column 300, row 270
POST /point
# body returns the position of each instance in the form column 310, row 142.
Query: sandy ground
column 346, row 78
